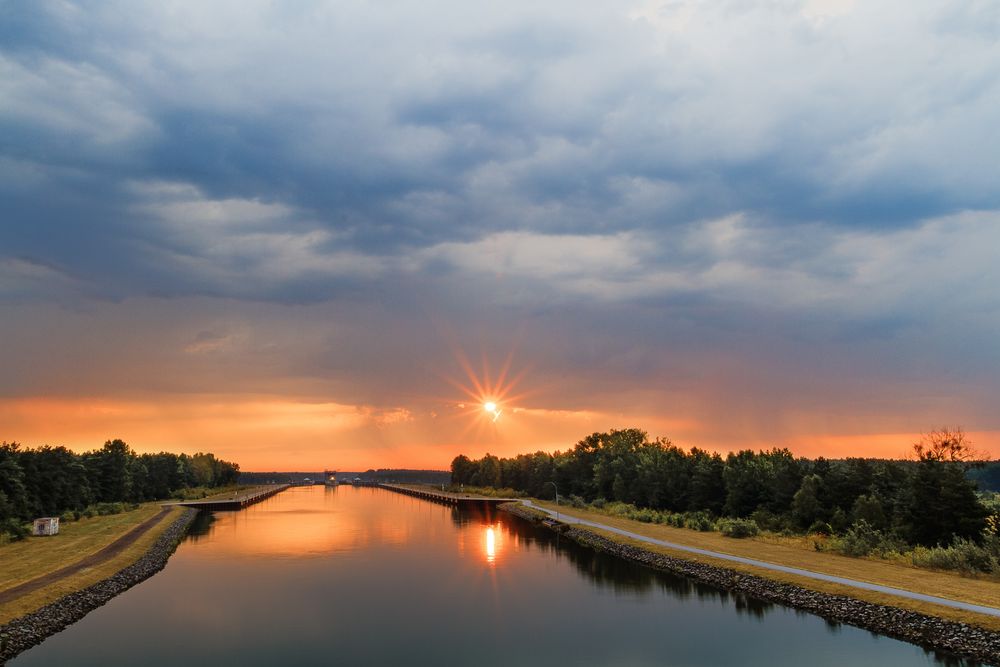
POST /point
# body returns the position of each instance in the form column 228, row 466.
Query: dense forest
column 50, row 481
column 925, row 501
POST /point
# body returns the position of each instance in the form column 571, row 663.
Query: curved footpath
column 853, row 583
column 928, row 631
column 105, row 554
column 22, row 633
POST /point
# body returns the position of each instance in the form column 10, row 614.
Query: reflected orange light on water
column 265, row 530
column 491, row 544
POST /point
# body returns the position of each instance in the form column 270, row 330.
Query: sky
column 311, row 234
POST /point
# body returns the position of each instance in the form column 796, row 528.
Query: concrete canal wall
column 443, row 497
column 238, row 501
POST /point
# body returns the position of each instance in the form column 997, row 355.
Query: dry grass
column 26, row 560
column 798, row 552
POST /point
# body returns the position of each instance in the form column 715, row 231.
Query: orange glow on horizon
column 266, row 433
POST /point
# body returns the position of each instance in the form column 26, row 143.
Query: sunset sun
column 491, row 408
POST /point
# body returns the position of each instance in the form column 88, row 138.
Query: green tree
column 12, row 482
column 619, row 490
column 109, row 468
column 708, row 486
column 784, row 478
column 489, row 472
column 868, row 508
column 805, row 504
column 941, row 503
column 461, row 470
column 746, row 480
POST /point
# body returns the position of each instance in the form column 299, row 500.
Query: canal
column 363, row 576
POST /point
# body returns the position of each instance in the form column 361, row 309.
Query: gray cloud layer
column 809, row 186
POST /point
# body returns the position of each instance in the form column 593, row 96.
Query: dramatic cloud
column 739, row 222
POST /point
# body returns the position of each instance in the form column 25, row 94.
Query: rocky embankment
column 930, row 632
column 21, row 634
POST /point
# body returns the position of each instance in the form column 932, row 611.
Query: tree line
column 49, row 481
column 925, row 501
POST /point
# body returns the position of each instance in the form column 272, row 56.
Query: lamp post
column 557, row 498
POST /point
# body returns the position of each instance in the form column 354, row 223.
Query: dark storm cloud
column 397, row 132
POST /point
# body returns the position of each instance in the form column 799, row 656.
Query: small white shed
column 46, row 526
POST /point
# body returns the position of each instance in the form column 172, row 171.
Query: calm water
column 318, row 576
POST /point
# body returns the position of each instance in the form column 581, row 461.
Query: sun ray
column 486, row 396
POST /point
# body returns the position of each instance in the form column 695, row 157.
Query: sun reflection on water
column 491, row 545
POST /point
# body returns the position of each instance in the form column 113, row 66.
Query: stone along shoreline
column 22, row 633
column 930, row 632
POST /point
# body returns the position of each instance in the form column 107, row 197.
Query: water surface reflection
column 377, row 578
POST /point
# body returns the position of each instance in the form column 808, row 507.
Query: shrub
column 104, row 509
column 839, row 521
column 819, row 528
column 738, row 528
column 599, row 503
column 859, row 540
column 863, row 539
column 963, row 556
column 768, row 520
column 699, row 521
column 617, row 508
column 14, row 529
column 576, row 501
column 644, row 515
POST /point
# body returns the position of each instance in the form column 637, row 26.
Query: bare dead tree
column 946, row 444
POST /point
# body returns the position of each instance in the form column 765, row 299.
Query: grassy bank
column 484, row 491
column 800, row 553
column 35, row 556
column 468, row 492
column 209, row 492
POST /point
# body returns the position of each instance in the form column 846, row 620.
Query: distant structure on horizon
column 330, row 477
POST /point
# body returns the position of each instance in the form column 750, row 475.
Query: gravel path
column 97, row 558
column 854, row 583
column 23, row 633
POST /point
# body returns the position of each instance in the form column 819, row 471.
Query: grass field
column 25, row 560
column 798, row 552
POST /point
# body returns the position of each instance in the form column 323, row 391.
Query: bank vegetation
column 55, row 481
column 925, row 511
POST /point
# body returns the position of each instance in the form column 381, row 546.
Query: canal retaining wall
column 929, row 632
column 239, row 500
column 21, row 634
column 443, row 497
